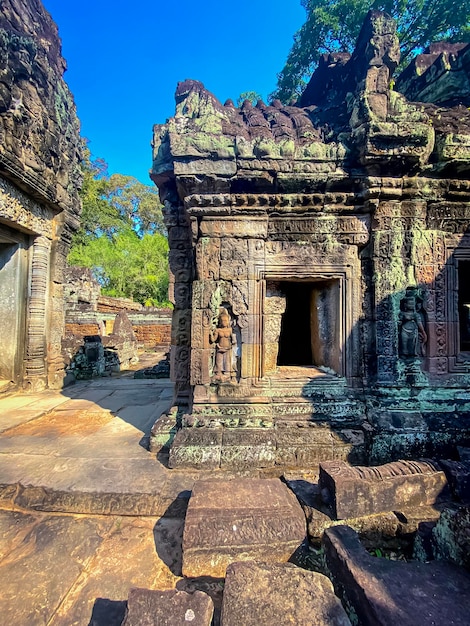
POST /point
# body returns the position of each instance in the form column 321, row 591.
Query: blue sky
column 125, row 58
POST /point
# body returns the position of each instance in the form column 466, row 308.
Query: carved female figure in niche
column 224, row 339
column 413, row 335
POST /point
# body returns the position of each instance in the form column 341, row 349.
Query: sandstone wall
column 39, row 182
column 337, row 229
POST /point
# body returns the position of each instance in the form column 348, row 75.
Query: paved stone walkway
column 86, row 512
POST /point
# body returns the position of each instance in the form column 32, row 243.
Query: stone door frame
column 285, row 272
column 458, row 361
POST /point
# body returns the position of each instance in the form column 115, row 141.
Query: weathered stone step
column 284, row 446
column 93, row 503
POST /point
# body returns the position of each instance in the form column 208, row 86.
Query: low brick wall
column 107, row 304
column 88, row 312
column 151, row 335
column 152, row 327
column 82, row 330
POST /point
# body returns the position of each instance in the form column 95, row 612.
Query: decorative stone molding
column 24, row 212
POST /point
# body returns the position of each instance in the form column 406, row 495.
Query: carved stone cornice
column 23, row 212
column 282, row 203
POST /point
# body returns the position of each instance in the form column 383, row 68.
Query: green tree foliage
column 98, row 215
column 334, row 25
column 252, row 96
column 122, row 237
column 136, row 203
column 127, row 265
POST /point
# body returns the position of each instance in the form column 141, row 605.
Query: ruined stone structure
column 333, row 238
column 88, row 312
column 39, row 204
column 114, row 328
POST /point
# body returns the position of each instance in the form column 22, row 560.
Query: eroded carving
column 412, row 322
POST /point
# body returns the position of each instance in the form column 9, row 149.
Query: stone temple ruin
column 319, row 256
column 321, row 327
column 39, row 204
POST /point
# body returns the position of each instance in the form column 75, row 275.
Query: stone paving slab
column 72, row 449
column 73, row 477
column 37, row 573
column 59, row 569
column 13, row 417
column 14, row 527
column 46, row 400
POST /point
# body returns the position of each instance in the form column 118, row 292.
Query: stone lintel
column 356, row 491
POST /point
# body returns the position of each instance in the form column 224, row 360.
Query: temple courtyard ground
column 86, row 512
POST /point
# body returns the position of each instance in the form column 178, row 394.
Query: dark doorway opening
column 310, row 328
column 464, row 305
column 295, row 341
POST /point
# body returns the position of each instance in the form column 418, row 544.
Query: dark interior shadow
column 108, row 612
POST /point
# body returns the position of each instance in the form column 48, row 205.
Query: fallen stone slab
column 382, row 592
column 167, row 608
column 240, row 520
column 43, row 558
column 388, row 529
column 358, row 491
column 125, row 558
column 272, row 593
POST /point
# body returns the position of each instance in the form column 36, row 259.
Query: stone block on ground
column 262, row 593
column 382, row 592
column 167, row 608
column 247, row 520
column 388, row 530
column 358, row 491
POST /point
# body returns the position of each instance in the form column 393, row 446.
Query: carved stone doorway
column 13, row 300
column 464, row 304
column 310, row 327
